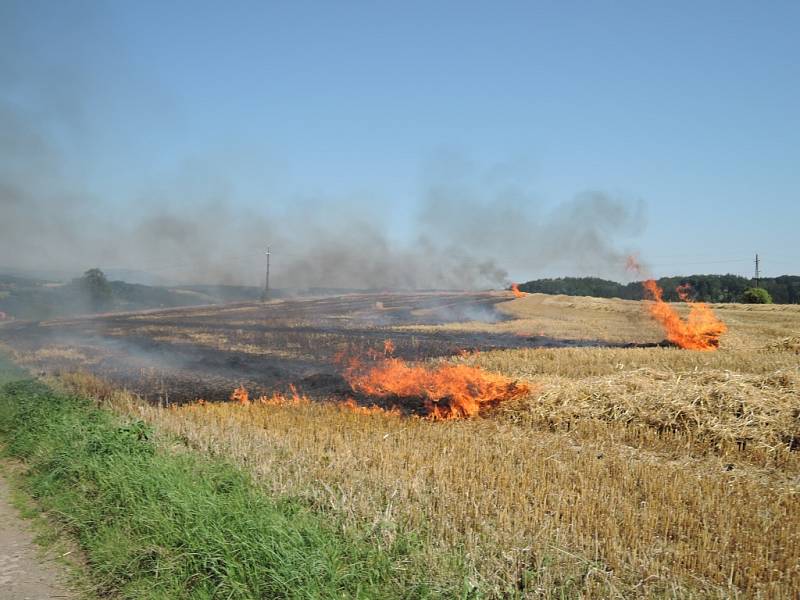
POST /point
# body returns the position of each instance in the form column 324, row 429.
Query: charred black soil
column 181, row 355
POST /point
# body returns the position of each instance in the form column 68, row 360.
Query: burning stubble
column 448, row 391
column 701, row 330
column 438, row 392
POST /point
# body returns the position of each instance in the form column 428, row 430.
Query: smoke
column 463, row 236
column 506, row 221
column 470, row 229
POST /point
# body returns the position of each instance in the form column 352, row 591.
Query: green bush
column 756, row 296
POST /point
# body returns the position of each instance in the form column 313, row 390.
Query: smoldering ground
column 190, row 353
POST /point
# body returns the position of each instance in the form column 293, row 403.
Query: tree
column 756, row 296
column 705, row 288
column 97, row 288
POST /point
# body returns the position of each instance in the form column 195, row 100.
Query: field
column 631, row 468
column 180, row 355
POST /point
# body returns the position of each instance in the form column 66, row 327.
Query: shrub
column 756, row 296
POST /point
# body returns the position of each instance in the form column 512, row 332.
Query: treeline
column 707, row 288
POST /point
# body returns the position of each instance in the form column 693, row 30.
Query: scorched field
column 532, row 445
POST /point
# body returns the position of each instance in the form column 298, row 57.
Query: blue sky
column 690, row 107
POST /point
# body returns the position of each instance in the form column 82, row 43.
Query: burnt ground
column 180, row 355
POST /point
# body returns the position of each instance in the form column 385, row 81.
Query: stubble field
column 630, row 469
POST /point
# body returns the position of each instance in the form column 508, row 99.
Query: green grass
column 156, row 522
column 9, row 371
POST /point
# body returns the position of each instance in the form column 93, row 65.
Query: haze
column 398, row 146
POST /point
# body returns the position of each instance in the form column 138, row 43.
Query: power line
column 702, row 262
column 787, row 261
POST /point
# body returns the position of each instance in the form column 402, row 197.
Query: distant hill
column 707, row 288
column 136, row 276
column 32, row 298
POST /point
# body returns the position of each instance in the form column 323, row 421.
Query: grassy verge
column 8, row 370
column 158, row 522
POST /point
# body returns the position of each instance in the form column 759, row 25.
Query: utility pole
column 758, row 275
column 266, row 284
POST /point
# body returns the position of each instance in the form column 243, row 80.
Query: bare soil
column 24, row 572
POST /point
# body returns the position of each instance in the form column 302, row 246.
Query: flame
column 278, row 399
column 240, row 395
column 351, row 405
column 448, row 391
column 516, row 291
column 701, row 330
column 632, row 264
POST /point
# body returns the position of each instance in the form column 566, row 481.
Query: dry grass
column 746, row 418
column 59, row 353
column 642, row 472
column 614, row 320
column 544, row 510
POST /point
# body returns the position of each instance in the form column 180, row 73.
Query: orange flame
column 516, row 291
column 701, row 330
column 278, row 399
column 632, row 264
column 240, row 395
column 388, row 347
column 352, row 406
column 448, row 391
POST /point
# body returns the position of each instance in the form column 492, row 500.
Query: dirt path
column 24, row 574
